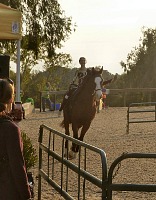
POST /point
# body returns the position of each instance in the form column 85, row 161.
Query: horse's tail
column 62, row 124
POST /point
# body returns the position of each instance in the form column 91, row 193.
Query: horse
column 81, row 108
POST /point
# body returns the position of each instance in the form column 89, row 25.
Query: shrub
column 29, row 152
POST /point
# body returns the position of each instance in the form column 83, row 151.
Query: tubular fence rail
column 55, row 155
column 135, row 108
column 66, row 164
column 123, row 94
column 128, row 187
column 55, row 95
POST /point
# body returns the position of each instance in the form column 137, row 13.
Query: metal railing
column 55, row 95
column 55, row 154
column 66, row 164
column 123, row 95
column 128, row 187
column 144, row 107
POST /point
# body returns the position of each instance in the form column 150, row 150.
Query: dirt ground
column 107, row 132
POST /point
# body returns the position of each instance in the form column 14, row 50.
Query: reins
column 86, row 80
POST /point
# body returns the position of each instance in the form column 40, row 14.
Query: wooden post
column 124, row 93
column 150, row 97
column 40, row 101
column 54, row 101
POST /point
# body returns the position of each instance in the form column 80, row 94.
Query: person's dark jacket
column 13, row 176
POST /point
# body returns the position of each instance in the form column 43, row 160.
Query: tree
column 45, row 26
column 141, row 62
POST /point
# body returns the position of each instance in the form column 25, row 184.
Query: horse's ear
column 101, row 70
column 89, row 71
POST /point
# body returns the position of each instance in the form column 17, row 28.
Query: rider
column 80, row 73
column 77, row 80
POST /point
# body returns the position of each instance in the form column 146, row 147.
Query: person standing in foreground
column 77, row 80
column 13, row 176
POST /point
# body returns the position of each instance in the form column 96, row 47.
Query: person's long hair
column 6, row 93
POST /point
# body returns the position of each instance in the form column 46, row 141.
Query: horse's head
column 96, row 81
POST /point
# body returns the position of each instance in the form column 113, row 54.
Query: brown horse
column 81, row 108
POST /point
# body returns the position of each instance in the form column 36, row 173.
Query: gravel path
column 107, row 132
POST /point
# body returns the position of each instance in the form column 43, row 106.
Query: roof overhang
column 10, row 23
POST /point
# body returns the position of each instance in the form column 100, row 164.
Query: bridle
column 98, row 89
column 98, row 86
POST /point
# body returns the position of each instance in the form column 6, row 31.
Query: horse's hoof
column 65, row 152
column 72, row 155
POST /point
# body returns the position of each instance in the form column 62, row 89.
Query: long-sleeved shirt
column 79, row 75
column 13, row 176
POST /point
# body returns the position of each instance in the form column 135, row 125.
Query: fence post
column 54, row 101
column 127, row 131
column 40, row 162
column 40, row 101
column 155, row 112
column 124, row 93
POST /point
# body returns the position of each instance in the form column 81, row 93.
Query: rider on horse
column 80, row 73
column 78, row 78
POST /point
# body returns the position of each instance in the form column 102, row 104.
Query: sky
column 107, row 30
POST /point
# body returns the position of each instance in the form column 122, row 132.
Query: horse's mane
column 91, row 73
column 94, row 71
column 83, row 84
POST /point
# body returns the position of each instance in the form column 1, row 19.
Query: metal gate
column 48, row 140
column 55, row 153
column 128, row 187
column 136, row 108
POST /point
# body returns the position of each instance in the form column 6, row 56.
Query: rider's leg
column 66, row 98
column 64, row 102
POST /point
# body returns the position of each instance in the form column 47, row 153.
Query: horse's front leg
column 75, row 135
column 66, row 142
column 84, row 129
column 72, row 153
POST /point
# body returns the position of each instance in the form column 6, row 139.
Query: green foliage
column 44, row 26
column 59, row 78
column 141, row 61
column 29, row 152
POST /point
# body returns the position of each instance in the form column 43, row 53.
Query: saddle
column 73, row 95
column 73, row 92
